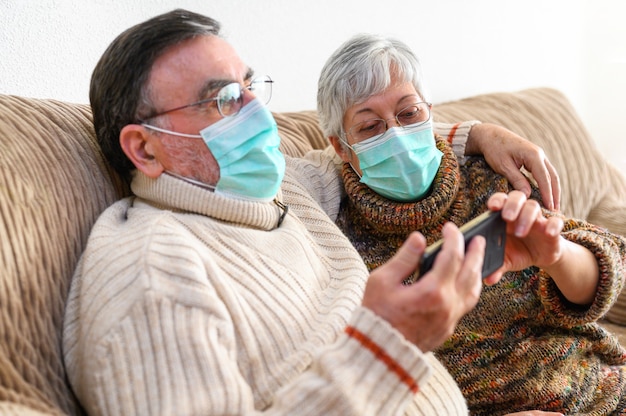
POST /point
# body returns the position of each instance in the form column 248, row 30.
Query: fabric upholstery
column 54, row 183
column 546, row 117
column 299, row 132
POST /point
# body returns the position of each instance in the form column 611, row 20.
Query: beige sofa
column 54, row 183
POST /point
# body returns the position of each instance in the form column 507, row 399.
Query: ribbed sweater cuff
column 391, row 352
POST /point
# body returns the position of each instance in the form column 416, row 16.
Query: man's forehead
column 190, row 65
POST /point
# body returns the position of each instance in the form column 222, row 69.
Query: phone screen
column 491, row 226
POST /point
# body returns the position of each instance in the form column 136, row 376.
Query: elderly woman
column 532, row 342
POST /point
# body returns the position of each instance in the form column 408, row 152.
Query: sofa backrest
column 54, row 183
column 592, row 188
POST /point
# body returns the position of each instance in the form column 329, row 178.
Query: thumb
column 519, row 181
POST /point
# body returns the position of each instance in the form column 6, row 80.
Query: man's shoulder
column 132, row 220
column 117, row 209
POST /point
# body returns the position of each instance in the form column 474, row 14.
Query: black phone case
column 488, row 224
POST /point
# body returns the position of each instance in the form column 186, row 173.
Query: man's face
column 187, row 73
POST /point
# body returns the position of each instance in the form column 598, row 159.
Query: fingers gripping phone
column 488, row 224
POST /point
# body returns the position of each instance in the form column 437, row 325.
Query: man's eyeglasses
column 229, row 98
column 414, row 114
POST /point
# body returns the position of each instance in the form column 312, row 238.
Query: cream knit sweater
column 185, row 302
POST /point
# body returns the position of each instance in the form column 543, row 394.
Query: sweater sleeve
column 457, row 135
column 165, row 358
column 369, row 370
column 610, row 252
column 319, row 171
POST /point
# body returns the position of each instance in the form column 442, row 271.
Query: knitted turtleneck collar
column 169, row 192
column 388, row 216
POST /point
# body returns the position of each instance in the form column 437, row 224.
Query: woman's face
column 385, row 106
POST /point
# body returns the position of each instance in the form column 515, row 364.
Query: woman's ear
column 139, row 146
column 344, row 153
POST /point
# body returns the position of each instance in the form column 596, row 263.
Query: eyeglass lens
column 414, row 114
column 230, row 97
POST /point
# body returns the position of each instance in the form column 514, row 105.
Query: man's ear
column 340, row 149
column 139, row 146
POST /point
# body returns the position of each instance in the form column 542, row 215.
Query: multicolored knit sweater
column 524, row 346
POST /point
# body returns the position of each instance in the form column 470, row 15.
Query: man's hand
column 427, row 311
column 506, row 153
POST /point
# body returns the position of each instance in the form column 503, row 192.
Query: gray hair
column 362, row 67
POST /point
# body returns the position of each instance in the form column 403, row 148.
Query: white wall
column 49, row 47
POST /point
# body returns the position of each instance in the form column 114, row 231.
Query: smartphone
column 488, row 224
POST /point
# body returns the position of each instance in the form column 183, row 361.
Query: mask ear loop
column 191, row 181
column 173, row 133
column 352, row 153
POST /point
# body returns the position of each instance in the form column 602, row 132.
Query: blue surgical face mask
column 245, row 147
column 401, row 163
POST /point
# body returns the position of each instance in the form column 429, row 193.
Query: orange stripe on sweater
column 381, row 355
column 453, row 132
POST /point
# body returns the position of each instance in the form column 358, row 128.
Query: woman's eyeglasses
column 414, row 114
